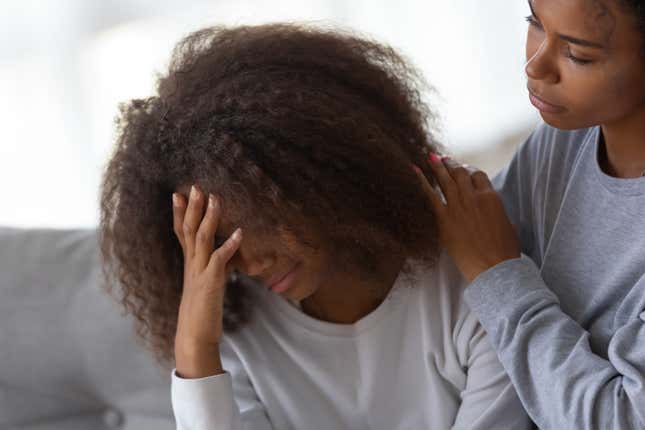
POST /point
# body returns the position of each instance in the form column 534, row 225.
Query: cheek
column 585, row 89
column 306, row 285
column 610, row 97
column 595, row 96
column 629, row 87
column 315, row 272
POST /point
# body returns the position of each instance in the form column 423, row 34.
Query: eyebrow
column 571, row 39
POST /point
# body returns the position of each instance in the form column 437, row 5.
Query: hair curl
column 285, row 123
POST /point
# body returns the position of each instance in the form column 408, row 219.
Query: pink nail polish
column 433, row 157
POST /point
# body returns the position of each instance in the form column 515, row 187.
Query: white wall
column 64, row 66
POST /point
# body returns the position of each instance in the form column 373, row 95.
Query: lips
column 274, row 280
column 287, row 281
column 543, row 104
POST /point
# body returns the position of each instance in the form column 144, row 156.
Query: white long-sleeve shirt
column 420, row 360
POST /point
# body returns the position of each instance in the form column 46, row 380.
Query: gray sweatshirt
column 568, row 318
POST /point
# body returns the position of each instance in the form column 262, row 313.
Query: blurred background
column 66, row 64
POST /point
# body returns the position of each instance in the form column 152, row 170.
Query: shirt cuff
column 199, row 403
column 500, row 290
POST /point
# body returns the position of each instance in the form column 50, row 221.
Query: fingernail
column 433, row 157
column 415, row 168
column 445, row 157
column 211, row 201
column 175, row 199
column 193, row 192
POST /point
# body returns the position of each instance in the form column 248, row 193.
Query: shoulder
column 439, row 290
column 540, row 170
column 446, row 316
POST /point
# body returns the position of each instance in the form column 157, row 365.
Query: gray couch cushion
column 69, row 358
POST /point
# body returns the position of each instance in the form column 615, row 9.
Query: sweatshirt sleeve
column 560, row 380
column 220, row 402
column 488, row 400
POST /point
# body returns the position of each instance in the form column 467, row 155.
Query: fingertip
column 433, row 158
column 418, row 172
column 237, row 234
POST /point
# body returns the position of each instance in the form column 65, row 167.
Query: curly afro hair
column 291, row 126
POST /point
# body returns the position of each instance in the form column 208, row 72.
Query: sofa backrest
column 68, row 356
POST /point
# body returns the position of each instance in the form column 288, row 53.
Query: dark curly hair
column 292, row 126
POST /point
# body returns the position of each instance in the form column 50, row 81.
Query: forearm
column 561, row 381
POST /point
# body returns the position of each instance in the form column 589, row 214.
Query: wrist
column 198, row 361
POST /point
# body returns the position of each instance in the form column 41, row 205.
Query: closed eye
column 533, row 22
column 576, row 60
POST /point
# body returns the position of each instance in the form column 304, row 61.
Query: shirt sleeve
column 220, row 402
column 488, row 400
column 560, row 380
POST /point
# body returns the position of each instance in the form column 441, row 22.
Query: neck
column 623, row 155
column 346, row 298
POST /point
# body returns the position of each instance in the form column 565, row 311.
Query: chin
column 298, row 292
column 564, row 121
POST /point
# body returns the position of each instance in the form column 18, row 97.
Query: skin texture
column 606, row 89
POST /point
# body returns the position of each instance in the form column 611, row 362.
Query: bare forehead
column 599, row 19
column 586, row 19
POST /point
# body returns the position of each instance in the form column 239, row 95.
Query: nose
column 541, row 65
